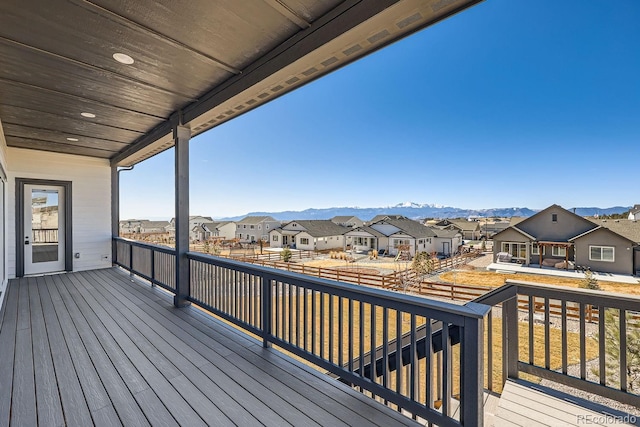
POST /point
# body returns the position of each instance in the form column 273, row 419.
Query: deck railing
column 607, row 327
column 331, row 324
column 152, row 262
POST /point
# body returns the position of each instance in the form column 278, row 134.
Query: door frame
column 68, row 232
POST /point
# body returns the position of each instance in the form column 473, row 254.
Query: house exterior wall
column 510, row 235
column 275, row 243
column 329, row 242
column 392, row 243
column 91, row 201
column 438, row 244
column 567, row 225
column 623, row 255
column 4, row 190
column 227, row 231
column 636, row 262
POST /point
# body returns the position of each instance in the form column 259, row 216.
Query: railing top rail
column 157, row 248
column 345, row 288
column 590, row 296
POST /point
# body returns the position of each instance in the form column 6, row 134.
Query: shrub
column 589, row 281
column 286, row 254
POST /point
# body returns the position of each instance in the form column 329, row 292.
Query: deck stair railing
column 331, row 324
column 539, row 325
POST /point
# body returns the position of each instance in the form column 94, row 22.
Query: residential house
column 153, row 226
column 194, row 220
column 130, row 226
column 489, row 229
column 634, row 213
column 470, row 230
column 365, row 238
column 253, row 228
column 348, row 221
column 401, row 231
column 311, row 235
column 378, row 218
column 447, row 241
column 224, row 230
column 556, row 236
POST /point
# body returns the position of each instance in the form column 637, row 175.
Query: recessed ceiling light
column 72, row 139
column 88, row 115
column 123, row 58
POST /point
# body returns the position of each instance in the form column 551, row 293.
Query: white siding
column 91, row 201
column 329, row 242
column 3, row 218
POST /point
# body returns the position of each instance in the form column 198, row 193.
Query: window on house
column 554, row 217
column 558, row 251
column 252, row 227
column 244, row 226
column 602, row 253
column 274, row 237
column 516, row 250
column 304, row 241
column 239, row 235
column 259, row 227
column 535, row 249
column 399, row 242
column 267, row 226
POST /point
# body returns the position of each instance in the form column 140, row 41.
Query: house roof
column 446, row 233
column 465, row 225
column 516, row 220
column 344, row 218
column 254, row 219
column 412, row 228
column 196, row 62
column 321, row 227
column 629, row 229
column 367, row 229
column 154, row 224
column 379, row 218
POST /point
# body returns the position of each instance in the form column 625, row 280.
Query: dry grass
column 491, row 279
column 330, row 263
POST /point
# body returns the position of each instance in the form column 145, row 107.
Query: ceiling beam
column 131, row 23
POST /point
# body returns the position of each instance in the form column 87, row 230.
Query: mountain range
column 417, row 210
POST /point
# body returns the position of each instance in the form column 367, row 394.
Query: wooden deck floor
column 96, row 348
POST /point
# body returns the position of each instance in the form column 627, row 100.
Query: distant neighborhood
column 552, row 238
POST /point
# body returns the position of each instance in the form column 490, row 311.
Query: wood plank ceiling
column 199, row 61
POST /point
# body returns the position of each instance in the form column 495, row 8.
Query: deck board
column 98, row 348
column 47, row 396
column 198, row 324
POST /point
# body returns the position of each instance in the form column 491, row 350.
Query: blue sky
column 510, row 103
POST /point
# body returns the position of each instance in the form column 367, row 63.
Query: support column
column 115, row 210
column 181, row 136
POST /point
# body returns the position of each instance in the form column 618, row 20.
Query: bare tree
column 413, row 274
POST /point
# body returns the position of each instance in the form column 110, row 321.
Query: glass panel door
column 44, row 229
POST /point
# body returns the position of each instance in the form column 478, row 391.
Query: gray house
column 558, row 237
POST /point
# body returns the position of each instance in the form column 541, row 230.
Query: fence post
column 266, row 298
column 472, row 386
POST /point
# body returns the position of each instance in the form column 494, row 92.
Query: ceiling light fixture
column 123, row 58
column 88, row 115
column 73, row 139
